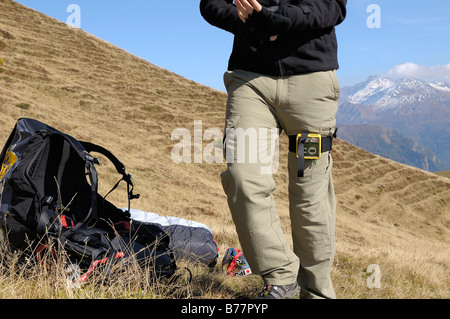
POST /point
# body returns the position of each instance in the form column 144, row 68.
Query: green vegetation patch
column 23, row 106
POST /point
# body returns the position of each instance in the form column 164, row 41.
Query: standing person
column 282, row 76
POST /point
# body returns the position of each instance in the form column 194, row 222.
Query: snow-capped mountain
column 419, row 110
column 384, row 93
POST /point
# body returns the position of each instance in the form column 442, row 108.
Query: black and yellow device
column 312, row 145
column 309, row 146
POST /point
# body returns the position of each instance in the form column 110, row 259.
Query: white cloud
column 413, row 70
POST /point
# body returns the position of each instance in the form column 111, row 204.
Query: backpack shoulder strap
column 91, row 147
column 120, row 168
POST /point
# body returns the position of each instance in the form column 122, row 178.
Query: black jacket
column 306, row 39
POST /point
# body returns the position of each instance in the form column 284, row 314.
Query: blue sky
column 412, row 39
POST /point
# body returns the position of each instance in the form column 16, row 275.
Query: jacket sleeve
column 317, row 14
column 220, row 13
column 224, row 15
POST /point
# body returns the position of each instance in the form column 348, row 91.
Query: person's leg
column 248, row 182
column 309, row 106
column 312, row 208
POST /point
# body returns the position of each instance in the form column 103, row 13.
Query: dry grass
column 22, row 276
column 388, row 214
column 53, row 277
column 444, row 174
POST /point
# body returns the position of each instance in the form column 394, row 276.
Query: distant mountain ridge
column 385, row 93
column 419, row 110
column 391, row 144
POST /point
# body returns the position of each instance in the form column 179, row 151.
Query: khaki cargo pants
column 258, row 108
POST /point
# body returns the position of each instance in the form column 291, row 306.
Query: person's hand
column 246, row 7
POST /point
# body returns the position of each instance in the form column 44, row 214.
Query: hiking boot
column 280, row 292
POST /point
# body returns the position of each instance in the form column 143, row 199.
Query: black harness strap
column 91, row 147
column 327, row 145
column 301, row 154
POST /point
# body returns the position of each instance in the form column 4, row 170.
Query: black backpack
column 48, row 191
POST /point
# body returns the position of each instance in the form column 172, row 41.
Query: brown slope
column 95, row 91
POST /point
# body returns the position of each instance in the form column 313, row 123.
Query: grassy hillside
column 388, row 214
column 444, row 173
